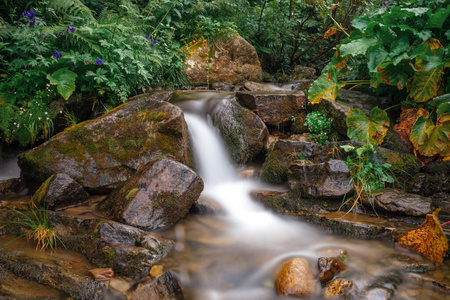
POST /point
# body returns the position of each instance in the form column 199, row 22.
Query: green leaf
column 399, row 46
column 325, row 87
column 64, row 81
column 372, row 130
column 442, row 104
column 358, row 46
column 377, row 54
column 418, row 134
column 430, row 139
column 438, row 18
column 361, row 23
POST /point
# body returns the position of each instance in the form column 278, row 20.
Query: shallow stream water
column 234, row 255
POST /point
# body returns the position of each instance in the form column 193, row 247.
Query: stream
column 234, row 254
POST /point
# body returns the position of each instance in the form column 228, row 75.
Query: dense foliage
column 403, row 45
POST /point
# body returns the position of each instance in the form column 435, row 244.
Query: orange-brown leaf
column 429, row 240
column 407, row 119
column 335, row 6
column 330, row 32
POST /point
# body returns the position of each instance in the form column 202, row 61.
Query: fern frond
column 5, row 33
column 72, row 7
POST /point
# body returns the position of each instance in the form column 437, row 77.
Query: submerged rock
column 103, row 153
column 338, row 287
column 234, row 60
column 102, row 273
column 329, row 267
column 328, row 179
column 60, row 191
column 273, row 107
column 294, row 278
column 243, row 132
column 395, row 200
column 166, row 286
column 159, row 195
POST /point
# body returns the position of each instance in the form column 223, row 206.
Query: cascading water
column 235, row 255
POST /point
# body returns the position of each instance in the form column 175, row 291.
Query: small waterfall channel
column 235, row 255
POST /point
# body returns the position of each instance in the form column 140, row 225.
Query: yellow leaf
column 429, row 240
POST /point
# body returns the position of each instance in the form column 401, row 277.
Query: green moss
column 38, row 197
column 403, row 166
column 131, row 194
column 92, row 147
column 77, row 132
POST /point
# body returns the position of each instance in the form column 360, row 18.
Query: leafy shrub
column 400, row 45
column 319, row 125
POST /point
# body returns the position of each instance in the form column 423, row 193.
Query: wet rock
column 102, row 154
column 102, row 273
column 60, row 191
column 11, row 186
column 329, row 179
column 383, row 286
column 429, row 184
column 330, row 267
column 157, row 244
column 59, row 275
column 159, row 195
column 395, row 200
column 166, row 286
column 294, row 278
column 132, row 261
column 280, row 156
column 233, row 60
column 337, row 287
column 243, row 132
column 118, row 233
column 273, row 107
column 407, row 263
column 254, row 86
column 298, row 85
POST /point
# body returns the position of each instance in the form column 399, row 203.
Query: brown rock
column 233, row 60
column 156, row 271
column 330, row 267
column 337, row 287
column 294, row 278
column 254, row 86
column 396, row 200
column 273, row 107
column 102, row 273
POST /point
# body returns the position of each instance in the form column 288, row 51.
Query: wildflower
column 147, row 36
column 153, row 42
column 71, row 29
column 45, row 37
column 57, row 55
column 99, row 62
column 99, row 9
column 386, row 4
column 39, row 118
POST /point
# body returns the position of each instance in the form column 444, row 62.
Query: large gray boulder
column 273, row 107
column 157, row 197
column 103, row 153
column 243, row 132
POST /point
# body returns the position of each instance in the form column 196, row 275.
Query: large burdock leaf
column 429, row 138
column 357, row 47
column 372, row 130
column 429, row 240
column 325, row 87
column 407, row 119
column 64, row 80
column 426, row 82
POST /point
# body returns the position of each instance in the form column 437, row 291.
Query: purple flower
column 45, row 37
column 30, row 15
column 99, row 62
column 153, row 42
column 57, row 55
column 386, row 4
column 71, row 29
column 147, row 36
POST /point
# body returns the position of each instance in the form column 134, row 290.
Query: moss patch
column 39, row 195
column 403, row 166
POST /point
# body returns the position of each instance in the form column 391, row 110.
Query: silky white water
column 235, row 254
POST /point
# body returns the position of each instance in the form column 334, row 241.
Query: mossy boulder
column 103, row 153
column 233, row 60
column 281, row 155
column 275, row 108
column 243, row 132
column 157, row 196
